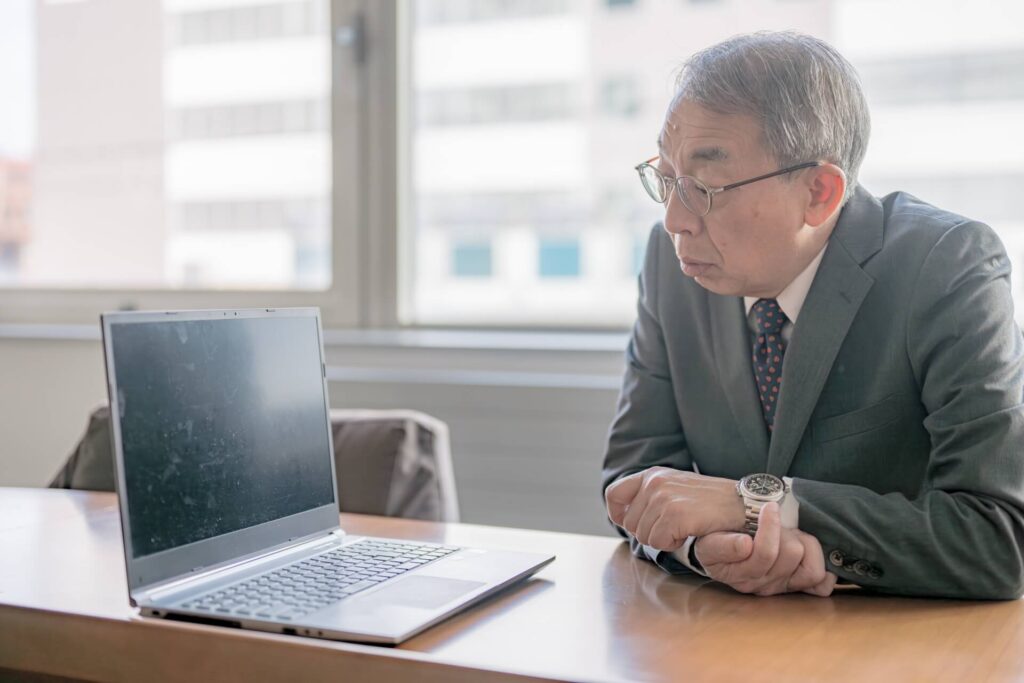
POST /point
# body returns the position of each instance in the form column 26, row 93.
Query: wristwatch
column 756, row 490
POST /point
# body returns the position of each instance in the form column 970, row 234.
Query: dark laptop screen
column 223, row 425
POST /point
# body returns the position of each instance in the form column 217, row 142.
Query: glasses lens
column 695, row 195
column 654, row 183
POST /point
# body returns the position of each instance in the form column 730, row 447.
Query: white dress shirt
column 791, row 301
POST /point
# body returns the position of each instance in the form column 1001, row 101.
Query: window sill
column 450, row 340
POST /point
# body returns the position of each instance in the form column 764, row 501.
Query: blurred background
column 451, row 181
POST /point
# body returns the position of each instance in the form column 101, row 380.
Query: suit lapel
column 832, row 303
column 732, row 358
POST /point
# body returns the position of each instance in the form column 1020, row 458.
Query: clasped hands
column 661, row 507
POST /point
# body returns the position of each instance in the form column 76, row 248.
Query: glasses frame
column 710, row 191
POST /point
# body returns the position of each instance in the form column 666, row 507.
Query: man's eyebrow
column 709, row 154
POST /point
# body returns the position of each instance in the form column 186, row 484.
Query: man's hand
column 775, row 561
column 661, row 506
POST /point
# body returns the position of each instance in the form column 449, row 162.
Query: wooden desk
column 596, row 613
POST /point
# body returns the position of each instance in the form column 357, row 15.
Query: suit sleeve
column 963, row 535
column 646, row 431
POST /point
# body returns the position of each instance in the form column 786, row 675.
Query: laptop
column 226, row 483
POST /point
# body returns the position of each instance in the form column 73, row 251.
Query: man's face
column 754, row 242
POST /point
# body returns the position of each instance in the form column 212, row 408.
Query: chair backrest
column 388, row 462
column 396, row 463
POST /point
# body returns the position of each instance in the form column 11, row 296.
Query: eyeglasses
column 695, row 195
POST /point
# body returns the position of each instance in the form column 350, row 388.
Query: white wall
column 525, row 456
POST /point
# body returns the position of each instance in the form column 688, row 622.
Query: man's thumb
column 619, row 495
column 724, row 548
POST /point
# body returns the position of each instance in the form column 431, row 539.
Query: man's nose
column 680, row 220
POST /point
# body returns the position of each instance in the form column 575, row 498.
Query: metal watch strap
column 752, row 511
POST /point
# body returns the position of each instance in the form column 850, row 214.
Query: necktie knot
column 768, row 317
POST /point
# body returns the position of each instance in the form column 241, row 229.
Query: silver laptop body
column 225, row 478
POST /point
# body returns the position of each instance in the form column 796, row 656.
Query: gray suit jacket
column 901, row 411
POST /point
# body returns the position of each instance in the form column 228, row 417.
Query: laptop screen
column 223, row 425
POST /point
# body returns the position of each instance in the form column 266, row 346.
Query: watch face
column 766, row 486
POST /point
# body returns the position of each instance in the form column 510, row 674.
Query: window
column 456, row 11
column 206, row 23
column 945, row 78
column 620, row 96
column 168, row 146
column 559, row 258
column 494, row 105
column 504, row 141
column 526, row 126
column 250, row 119
column 471, row 259
column 470, row 165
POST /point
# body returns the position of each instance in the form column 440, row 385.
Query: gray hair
column 806, row 95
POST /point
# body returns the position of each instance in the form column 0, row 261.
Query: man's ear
column 826, row 187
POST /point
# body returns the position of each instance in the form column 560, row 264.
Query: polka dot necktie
column 769, row 349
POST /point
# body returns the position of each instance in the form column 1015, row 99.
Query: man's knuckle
column 656, row 483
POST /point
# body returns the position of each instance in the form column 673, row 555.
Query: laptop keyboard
column 299, row 589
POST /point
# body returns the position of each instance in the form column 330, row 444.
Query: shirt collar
column 791, row 299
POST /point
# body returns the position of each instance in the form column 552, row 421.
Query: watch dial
column 764, row 485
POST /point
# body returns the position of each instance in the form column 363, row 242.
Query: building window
column 256, row 22
column 256, row 118
column 500, row 209
column 984, row 76
column 620, row 96
column 455, row 11
column 298, row 215
column 472, row 259
column 513, row 103
column 559, row 257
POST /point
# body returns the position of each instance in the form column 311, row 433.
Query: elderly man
column 821, row 385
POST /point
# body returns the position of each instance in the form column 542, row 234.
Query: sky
column 17, row 76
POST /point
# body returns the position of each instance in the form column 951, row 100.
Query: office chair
column 395, row 463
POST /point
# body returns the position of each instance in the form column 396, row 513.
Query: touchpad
column 424, row 591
